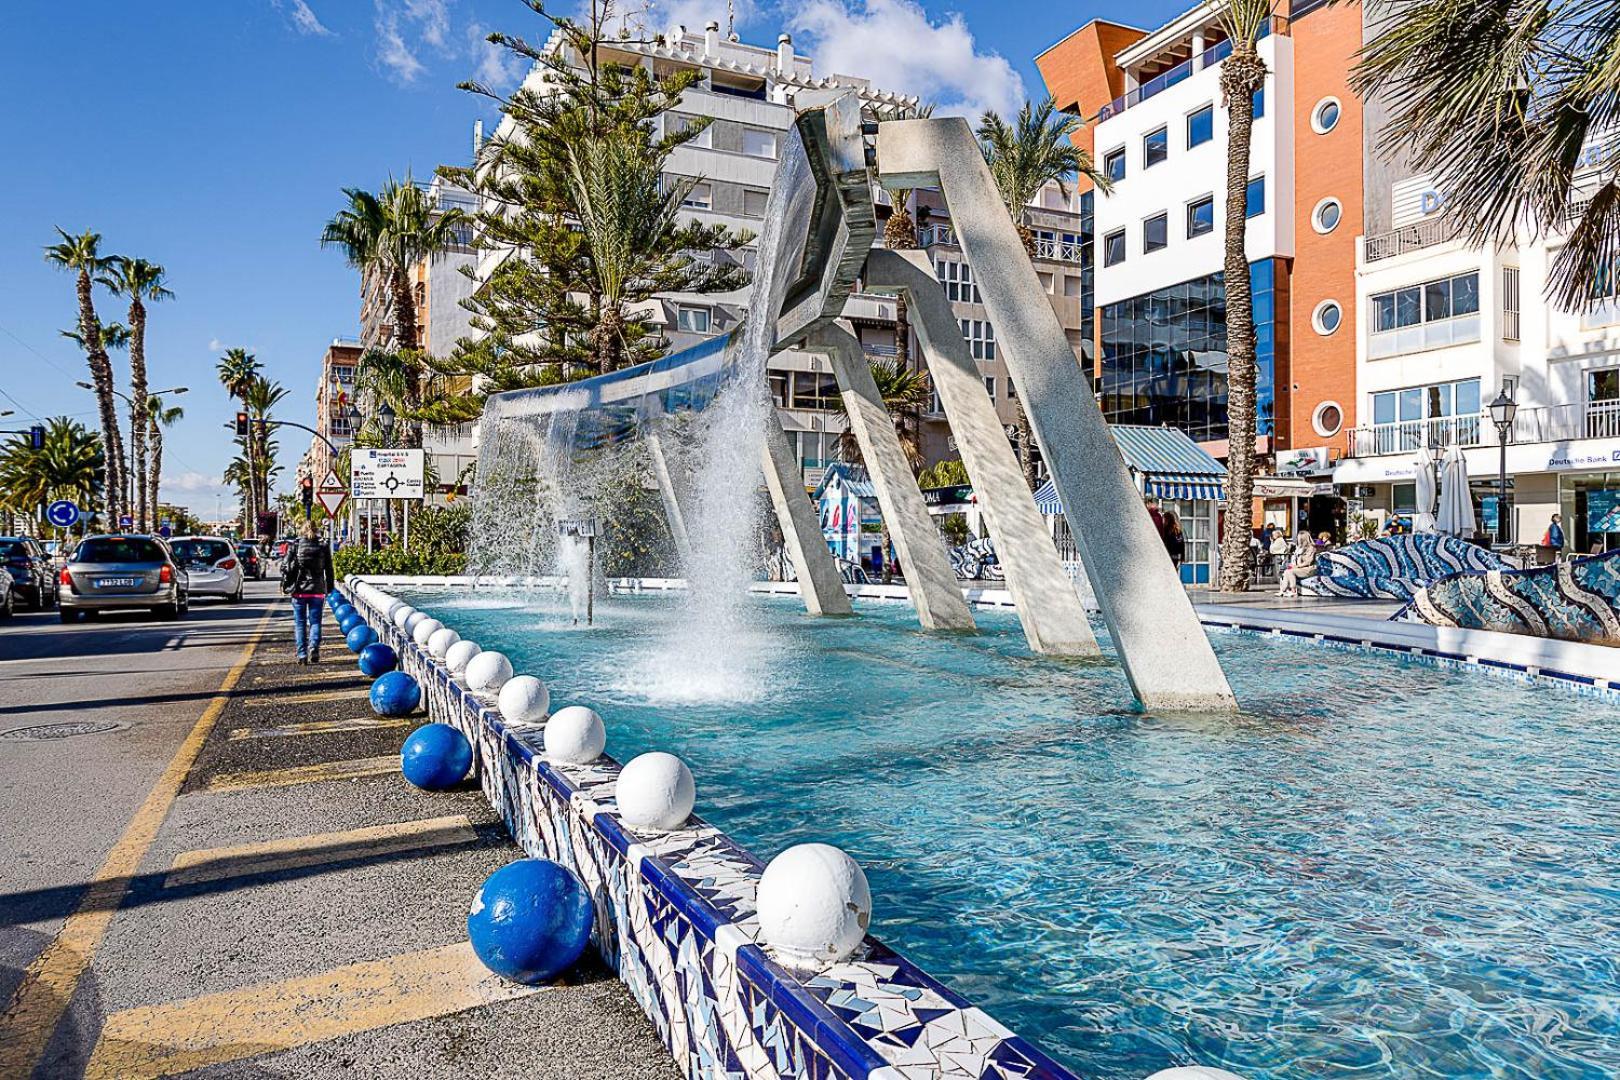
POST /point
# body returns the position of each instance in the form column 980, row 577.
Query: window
column 754, row 202
column 958, row 281
column 981, row 339
column 1071, row 285
column 757, row 143
column 1603, row 386
column 990, row 386
column 1443, row 413
column 1155, row 233
column 1325, row 218
column 1201, row 216
column 1200, row 126
column 1326, row 116
column 1260, row 103
column 675, row 124
column 1433, row 301
column 1114, row 164
column 1155, row 147
column 1510, row 303
column 812, row 390
column 1114, row 248
column 1255, row 198
column 692, row 320
column 1327, row 317
column 1328, row 419
column 701, row 197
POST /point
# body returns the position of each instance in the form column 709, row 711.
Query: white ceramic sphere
column 814, row 904
column 425, row 629
column 402, row 615
column 524, row 699
column 576, row 735
column 457, row 656
column 1194, row 1072
column 440, row 642
column 487, row 672
column 655, row 791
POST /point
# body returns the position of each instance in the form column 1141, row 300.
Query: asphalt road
column 215, row 866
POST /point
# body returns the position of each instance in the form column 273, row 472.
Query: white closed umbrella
column 1423, row 519
column 1456, row 504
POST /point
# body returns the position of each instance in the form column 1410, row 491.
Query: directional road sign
column 386, row 474
column 62, row 513
column 331, row 493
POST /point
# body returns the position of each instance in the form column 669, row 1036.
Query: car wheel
column 7, row 606
column 68, row 615
column 49, row 599
column 167, row 611
column 235, row 597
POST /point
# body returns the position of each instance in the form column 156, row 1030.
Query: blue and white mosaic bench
column 676, row 919
column 1396, row 567
column 1573, row 600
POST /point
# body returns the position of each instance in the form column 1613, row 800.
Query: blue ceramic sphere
column 377, row 659
column 343, row 611
column 359, row 636
column 350, row 621
column 530, row 921
column 395, row 694
column 435, row 756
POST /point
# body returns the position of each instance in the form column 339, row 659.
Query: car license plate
column 116, row 582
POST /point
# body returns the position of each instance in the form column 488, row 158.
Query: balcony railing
column 1057, row 250
column 1414, row 237
column 941, row 235
column 1182, row 71
column 1552, row 423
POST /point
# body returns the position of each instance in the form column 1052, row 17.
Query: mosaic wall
column 676, row 919
column 1573, row 600
column 1396, row 567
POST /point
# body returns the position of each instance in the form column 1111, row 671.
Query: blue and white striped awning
column 1165, row 461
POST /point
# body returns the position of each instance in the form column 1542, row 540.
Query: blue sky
column 214, row 136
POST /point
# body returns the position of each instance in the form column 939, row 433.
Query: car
column 33, row 578
column 7, row 598
column 252, row 559
column 211, row 565
column 117, row 572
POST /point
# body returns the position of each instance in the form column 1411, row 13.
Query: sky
column 214, row 137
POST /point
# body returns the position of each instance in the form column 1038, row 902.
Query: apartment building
column 1158, row 130
column 334, row 393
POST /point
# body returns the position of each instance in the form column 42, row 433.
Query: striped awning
column 1165, row 461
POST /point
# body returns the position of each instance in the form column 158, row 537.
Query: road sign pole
column 405, row 523
column 590, row 580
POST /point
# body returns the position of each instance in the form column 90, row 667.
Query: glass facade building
column 1164, row 354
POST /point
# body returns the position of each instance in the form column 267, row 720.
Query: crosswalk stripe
column 290, row 853
column 304, row 774
column 320, row 727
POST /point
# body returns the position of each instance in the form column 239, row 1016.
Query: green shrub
column 394, row 560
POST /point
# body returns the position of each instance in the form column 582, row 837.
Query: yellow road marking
column 308, row 699
column 267, row 856
column 179, row 1036
column 320, row 727
column 314, row 676
column 304, row 774
column 47, row 986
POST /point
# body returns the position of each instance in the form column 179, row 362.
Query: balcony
column 938, row 236
column 1552, row 423
column 1057, row 250
column 1181, row 72
column 1407, row 238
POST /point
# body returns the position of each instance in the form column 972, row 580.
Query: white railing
column 942, row 235
column 1407, row 238
column 1552, row 423
column 1437, row 334
column 1057, row 250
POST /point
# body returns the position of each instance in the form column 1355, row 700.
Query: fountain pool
column 1381, row 868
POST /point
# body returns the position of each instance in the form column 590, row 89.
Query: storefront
column 1591, row 511
column 850, row 521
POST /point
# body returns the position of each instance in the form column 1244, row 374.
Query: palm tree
column 158, row 416
column 1243, row 74
column 261, row 396
column 236, row 371
column 82, row 256
column 900, row 234
column 1502, row 104
column 68, row 465
column 389, row 234
column 1024, row 156
column 903, row 391
column 141, row 281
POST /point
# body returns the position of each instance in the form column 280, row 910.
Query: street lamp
column 1503, row 410
column 385, row 417
column 130, row 480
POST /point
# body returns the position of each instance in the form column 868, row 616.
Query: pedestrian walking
column 1554, row 538
column 1175, row 542
column 307, row 578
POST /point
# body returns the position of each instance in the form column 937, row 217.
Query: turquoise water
column 1381, row 869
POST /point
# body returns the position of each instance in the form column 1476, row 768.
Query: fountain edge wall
column 676, row 920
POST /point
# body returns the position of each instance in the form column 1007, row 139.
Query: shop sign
column 1302, row 461
column 1607, row 454
column 948, row 496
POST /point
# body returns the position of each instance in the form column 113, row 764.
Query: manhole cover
column 47, row 732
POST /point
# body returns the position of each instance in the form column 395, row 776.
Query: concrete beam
column 819, row 583
column 653, row 440
column 1048, row 605
column 929, row 577
column 1164, row 650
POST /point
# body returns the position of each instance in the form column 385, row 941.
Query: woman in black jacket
column 306, row 576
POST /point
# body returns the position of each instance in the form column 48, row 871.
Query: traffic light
column 36, row 437
column 306, row 491
column 241, row 425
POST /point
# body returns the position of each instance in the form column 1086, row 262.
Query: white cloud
column 496, row 67
column 898, row 47
column 190, row 483
column 403, row 27
column 303, row 18
column 392, row 51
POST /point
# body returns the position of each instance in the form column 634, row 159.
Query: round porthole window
column 1328, row 419
column 1325, row 218
column 1326, row 115
column 1327, row 317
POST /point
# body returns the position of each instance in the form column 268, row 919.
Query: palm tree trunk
column 156, row 433
column 138, row 395
column 405, row 327
column 1242, row 74
column 101, row 377
column 1026, row 444
column 902, row 330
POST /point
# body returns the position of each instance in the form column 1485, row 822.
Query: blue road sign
column 62, row 513
column 165, row 530
column 125, row 521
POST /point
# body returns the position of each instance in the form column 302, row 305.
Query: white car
column 212, row 565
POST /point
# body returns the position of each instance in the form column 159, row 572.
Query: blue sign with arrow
column 62, row 513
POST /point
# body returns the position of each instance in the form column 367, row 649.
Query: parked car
column 33, row 579
column 211, row 565
column 115, row 573
column 252, row 559
column 7, row 600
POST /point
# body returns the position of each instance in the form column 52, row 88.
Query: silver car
column 211, row 566
column 115, row 573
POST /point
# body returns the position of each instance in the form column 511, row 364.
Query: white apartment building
column 1443, row 327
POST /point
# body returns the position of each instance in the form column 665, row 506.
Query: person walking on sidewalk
column 306, row 576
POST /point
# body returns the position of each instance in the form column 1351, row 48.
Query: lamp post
column 1503, row 410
